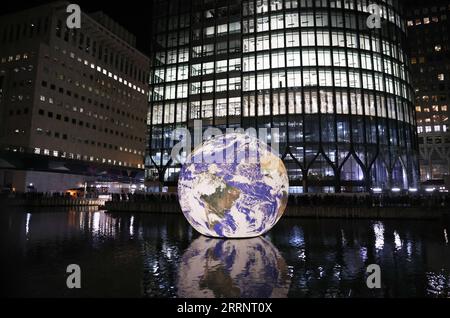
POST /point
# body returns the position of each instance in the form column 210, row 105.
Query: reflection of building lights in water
column 131, row 225
column 296, row 238
column 321, row 272
column 378, row 229
column 169, row 253
column 27, row 224
column 96, row 221
column 344, row 241
column 409, row 249
column 363, row 253
column 445, row 236
column 397, row 241
column 438, row 284
column 155, row 268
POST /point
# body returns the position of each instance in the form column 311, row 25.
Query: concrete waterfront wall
column 297, row 211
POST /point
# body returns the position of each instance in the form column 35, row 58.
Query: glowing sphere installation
column 214, row 268
column 233, row 186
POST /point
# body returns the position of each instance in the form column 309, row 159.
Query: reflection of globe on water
column 249, row 268
column 233, row 185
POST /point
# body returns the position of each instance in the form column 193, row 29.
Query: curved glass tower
column 337, row 88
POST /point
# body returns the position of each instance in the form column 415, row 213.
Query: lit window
column 42, row 98
column 437, row 128
column 427, row 129
column 410, row 23
column 444, row 108
column 438, row 48
column 426, row 20
column 418, row 109
column 441, row 77
column 420, row 129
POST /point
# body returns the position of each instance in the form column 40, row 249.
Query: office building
column 429, row 45
column 76, row 94
column 338, row 90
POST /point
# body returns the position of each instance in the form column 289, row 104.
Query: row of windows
column 87, row 100
column 325, row 77
column 434, row 140
column 430, row 129
column 90, row 115
column 434, row 118
column 55, row 134
column 219, row 85
column 15, row 58
column 212, row 31
column 69, row 155
column 232, row 46
column 304, row 20
column 19, row 111
column 308, row 57
column 253, row 7
column 122, row 97
column 294, row 78
column 433, row 108
column 97, row 68
column 339, row 102
column 426, row 20
column 101, row 51
column 221, row 66
column 322, row 38
column 278, row 103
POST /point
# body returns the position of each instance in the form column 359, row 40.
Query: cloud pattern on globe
column 233, row 186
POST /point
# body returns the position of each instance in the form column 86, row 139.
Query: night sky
column 133, row 15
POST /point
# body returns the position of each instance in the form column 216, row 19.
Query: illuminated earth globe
column 233, row 186
column 217, row 268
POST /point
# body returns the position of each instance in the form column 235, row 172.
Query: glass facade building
column 338, row 91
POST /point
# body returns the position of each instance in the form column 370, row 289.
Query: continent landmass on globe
column 220, row 201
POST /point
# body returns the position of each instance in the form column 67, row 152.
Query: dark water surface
column 144, row 255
